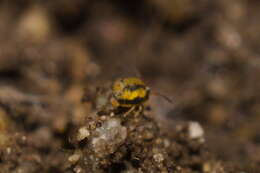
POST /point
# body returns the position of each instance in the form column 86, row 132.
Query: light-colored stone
column 195, row 130
column 83, row 133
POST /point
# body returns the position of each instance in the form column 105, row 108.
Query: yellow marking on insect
column 133, row 81
column 129, row 92
column 131, row 95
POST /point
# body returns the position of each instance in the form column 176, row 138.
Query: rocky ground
column 204, row 56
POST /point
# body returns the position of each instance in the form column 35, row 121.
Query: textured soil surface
column 203, row 56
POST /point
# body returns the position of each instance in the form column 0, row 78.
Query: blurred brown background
column 203, row 54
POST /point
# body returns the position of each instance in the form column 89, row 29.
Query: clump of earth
column 204, row 56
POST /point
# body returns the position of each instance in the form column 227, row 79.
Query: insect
column 125, row 95
column 129, row 92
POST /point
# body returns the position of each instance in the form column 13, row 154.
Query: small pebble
column 83, row 133
column 158, row 157
column 74, row 158
column 195, row 130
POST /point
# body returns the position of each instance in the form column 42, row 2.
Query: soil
column 200, row 60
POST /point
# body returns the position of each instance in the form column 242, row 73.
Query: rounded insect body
column 129, row 92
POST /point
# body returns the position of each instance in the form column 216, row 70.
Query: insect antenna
column 163, row 96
